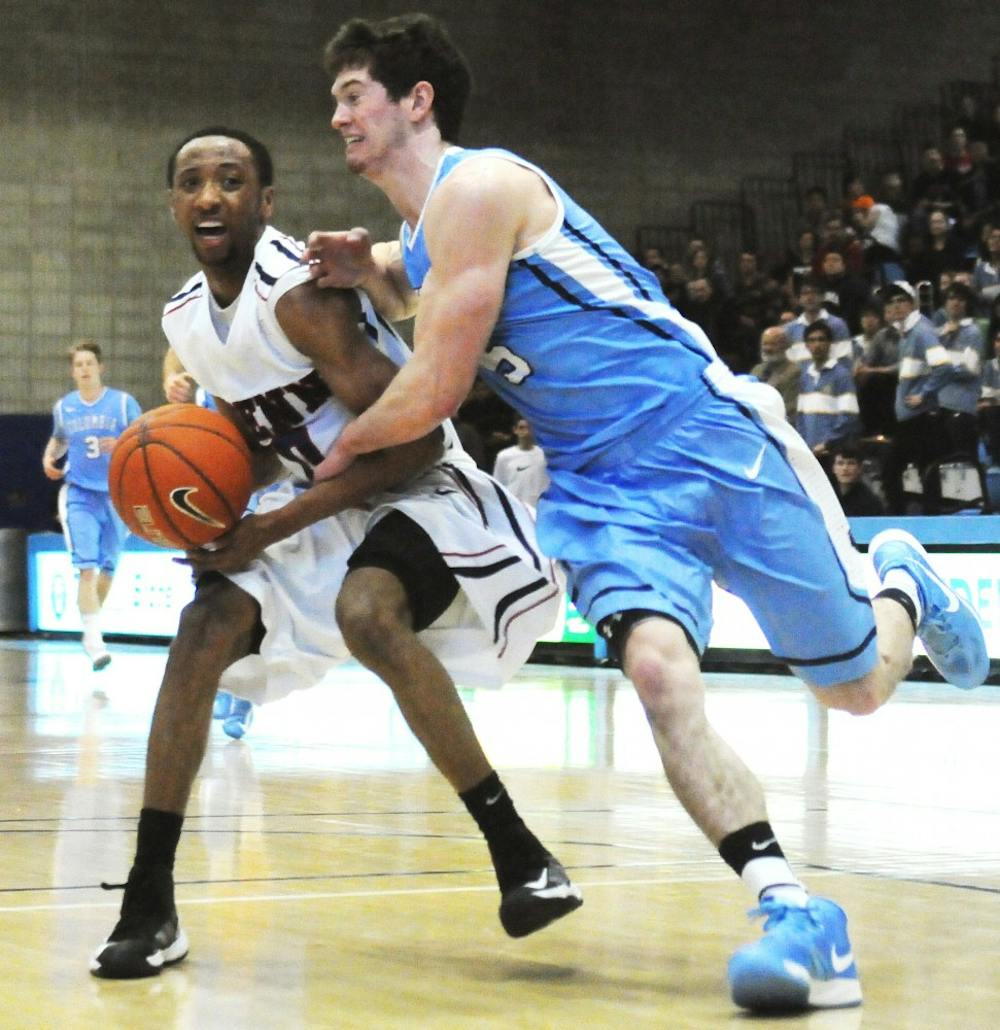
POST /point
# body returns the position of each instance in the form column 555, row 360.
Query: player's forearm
column 370, row 475
column 387, row 286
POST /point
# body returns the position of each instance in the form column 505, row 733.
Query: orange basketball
column 180, row 475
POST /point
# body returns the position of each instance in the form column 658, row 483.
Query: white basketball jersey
column 257, row 369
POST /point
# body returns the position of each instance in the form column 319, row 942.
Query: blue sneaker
column 803, row 961
column 239, row 719
column 950, row 629
column 223, row 704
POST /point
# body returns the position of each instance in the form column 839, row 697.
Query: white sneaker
column 96, row 652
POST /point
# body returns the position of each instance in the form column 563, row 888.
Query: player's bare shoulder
column 313, row 317
column 494, row 189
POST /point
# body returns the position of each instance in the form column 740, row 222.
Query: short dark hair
column 961, row 292
column 819, row 326
column 399, row 53
column 259, row 153
column 88, row 345
column 847, row 450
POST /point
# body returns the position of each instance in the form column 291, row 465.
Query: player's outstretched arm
column 471, row 227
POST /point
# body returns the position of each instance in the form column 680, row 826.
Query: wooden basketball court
column 328, row 878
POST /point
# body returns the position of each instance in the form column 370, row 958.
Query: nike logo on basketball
column 763, row 844
column 841, row 963
column 180, row 498
column 753, row 471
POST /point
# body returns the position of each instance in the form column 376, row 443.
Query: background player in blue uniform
column 85, row 425
column 667, row 471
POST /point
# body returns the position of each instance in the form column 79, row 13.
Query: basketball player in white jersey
column 415, row 562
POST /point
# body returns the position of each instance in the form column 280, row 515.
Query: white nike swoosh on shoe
column 763, row 844
column 540, row 884
column 840, row 963
column 753, row 471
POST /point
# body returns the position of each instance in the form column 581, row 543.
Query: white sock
column 774, row 877
column 900, row 579
column 92, row 628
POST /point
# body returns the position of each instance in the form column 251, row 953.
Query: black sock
column 159, row 833
column 744, row 845
column 900, row 597
column 516, row 852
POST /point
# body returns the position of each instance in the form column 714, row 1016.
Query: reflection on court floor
column 328, row 877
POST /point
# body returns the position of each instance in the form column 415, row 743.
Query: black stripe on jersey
column 830, row 659
column 483, row 571
column 371, row 331
column 512, row 598
column 278, row 245
column 270, row 280
column 610, row 590
column 185, row 293
column 642, row 323
column 608, row 259
column 467, row 489
column 516, row 526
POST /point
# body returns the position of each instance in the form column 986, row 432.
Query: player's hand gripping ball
column 180, row 476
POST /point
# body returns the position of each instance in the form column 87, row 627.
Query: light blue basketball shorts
column 95, row 534
column 732, row 493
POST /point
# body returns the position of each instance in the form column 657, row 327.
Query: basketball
column 180, row 476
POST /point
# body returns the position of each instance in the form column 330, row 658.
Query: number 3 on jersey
column 506, row 363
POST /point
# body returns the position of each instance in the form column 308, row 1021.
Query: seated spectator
column 876, row 372
column 811, row 302
column 653, row 259
column 978, row 190
column 674, row 284
column 838, row 236
column 797, row 264
column 892, row 191
column 828, row 405
column 877, row 226
column 756, row 300
column 959, row 397
column 701, row 265
column 815, row 205
column 776, row 370
column 521, row 468
column 971, row 118
column 956, row 158
column 934, row 186
column 856, row 496
column 843, row 294
column 986, row 273
column 989, row 402
column 945, row 250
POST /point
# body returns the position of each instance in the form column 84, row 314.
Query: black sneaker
column 148, row 935
column 539, row 901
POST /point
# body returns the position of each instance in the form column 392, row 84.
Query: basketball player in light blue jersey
column 86, row 424
column 667, row 471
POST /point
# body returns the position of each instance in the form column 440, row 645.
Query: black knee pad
column 616, row 628
column 399, row 546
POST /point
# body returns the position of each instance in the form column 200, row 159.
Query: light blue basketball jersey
column 82, row 425
column 584, row 384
